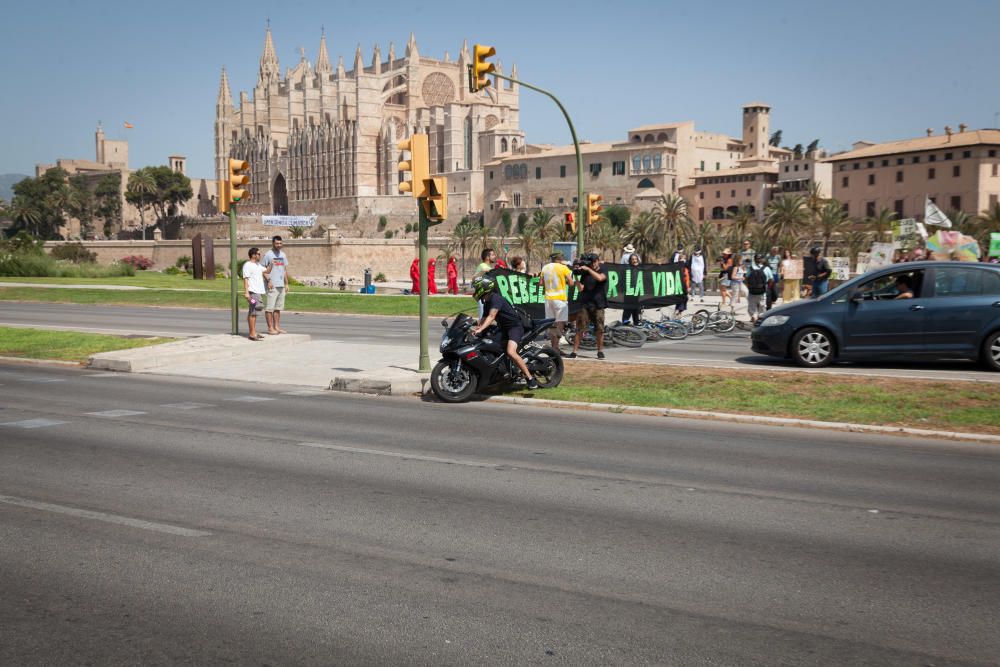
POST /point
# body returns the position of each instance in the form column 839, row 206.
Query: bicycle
column 614, row 334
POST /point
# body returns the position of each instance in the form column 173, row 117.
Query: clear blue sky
column 837, row 71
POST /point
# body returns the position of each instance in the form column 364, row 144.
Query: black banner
column 645, row 286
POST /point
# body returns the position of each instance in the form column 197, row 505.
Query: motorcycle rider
column 498, row 309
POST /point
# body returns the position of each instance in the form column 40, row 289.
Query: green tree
column 987, row 221
column 108, row 202
column 522, row 220
column 833, row 220
column 548, row 227
column 741, row 226
column 785, row 218
column 812, row 147
column 605, row 237
column 139, row 192
column 646, row 231
column 530, row 242
column 671, row 213
column 618, row 215
column 881, row 223
column 775, row 138
column 462, row 236
column 160, row 188
column 82, row 204
column 39, row 203
column 797, row 151
column 857, row 240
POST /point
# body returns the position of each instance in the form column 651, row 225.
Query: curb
column 369, row 385
column 746, row 419
column 42, row 362
column 191, row 350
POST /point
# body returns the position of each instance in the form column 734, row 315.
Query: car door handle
column 916, row 307
column 996, row 304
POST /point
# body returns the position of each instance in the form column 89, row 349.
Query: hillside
column 7, row 182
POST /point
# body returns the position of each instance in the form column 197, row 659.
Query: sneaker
column 532, row 383
column 600, row 355
column 571, row 355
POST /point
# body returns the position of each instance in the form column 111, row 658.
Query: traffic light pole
column 233, row 263
column 581, row 215
column 424, row 364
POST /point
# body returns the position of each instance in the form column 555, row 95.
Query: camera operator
column 593, row 298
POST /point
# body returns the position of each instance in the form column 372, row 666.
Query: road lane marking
column 114, row 414
column 249, row 399
column 304, row 392
column 102, row 516
column 186, row 406
column 42, row 379
column 33, row 423
column 400, row 455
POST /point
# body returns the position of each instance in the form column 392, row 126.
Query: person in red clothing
column 452, row 270
column 432, row 287
column 415, row 276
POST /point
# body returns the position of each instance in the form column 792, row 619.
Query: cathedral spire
column 340, row 67
column 323, row 59
column 392, row 53
column 270, row 70
column 377, row 59
column 411, row 47
column 225, row 100
column 465, row 49
column 359, row 63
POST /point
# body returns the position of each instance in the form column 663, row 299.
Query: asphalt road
column 731, row 350
column 151, row 520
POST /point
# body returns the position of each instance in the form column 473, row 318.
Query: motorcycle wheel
column 453, row 387
column 547, row 367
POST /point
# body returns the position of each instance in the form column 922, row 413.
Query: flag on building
column 128, row 125
column 934, row 216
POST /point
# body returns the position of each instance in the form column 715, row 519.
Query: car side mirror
column 857, row 297
column 444, row 323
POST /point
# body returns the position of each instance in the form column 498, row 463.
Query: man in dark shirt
column 594, row 298
column 498, row 309
column 821, row 279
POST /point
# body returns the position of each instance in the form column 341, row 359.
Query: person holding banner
column 557, row 277
column 633, row 313
column 594, row 301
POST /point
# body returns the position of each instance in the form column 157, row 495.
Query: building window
column 995, row 169
column 916, row 159
column 636, row 163
column 956, row 203
column 645, row 162
column 966, row 154
column 843, row 182
column 857, row 165
column 538, row 173
column 701, row 213
column 702, row 167
column 898, row 207
column 508, row 172
column 992, row 153
column 786, row 168
column 805, row 167
column 503, row 145
column 538, row 201
column 595, row 168
column 517, row 200
column 993, row 200
column 562, row 171
column 562, row 200
column 847, row 208
column 618, row 168
column 717, row 166
column 796, row 168
column 956, row 171
column 843, row 167
column 932, row 158
column 870, row 209
column 718, row 194
column 701, row 195
column 491, row 175
column 871, row 179
column 732, row 193
column 657, row 161
column 947, row 156
column 931, row 174
column 871, row 163
column 899, row 176
column 718, row 213
column 899, row 160
column 885, row 163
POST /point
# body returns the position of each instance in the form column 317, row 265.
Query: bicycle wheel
column 651, row 331
column 627, row 336
column 722, row 321
column 699, row 320
column 674, row 330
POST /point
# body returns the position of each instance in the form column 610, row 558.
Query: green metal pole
column 424, row 364
column 581, row 220
column 234, row 279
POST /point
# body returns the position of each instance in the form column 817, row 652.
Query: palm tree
column 832, row 220
column 604, row 235
column 857, row 240
column 742, row 219
column 541, row 220
column 881, row 223
column 140, row 184
column 25, row 214
column 644, row 232
column 462, row 236
column 704, row 234
column 815, row 200
column 672, row 212
column 785, row 218
column 987, row 222
column 530, row 241
column 775, row 138
column 797, row 151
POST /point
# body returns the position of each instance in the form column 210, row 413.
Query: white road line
column 186, row 406
column 399, row 455
column 101, row 516
column 249, row 399
column 304, row 392
column 113, row 414
column 33, row 423
column 43, row 379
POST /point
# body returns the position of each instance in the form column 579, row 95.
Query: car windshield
column 842, row 289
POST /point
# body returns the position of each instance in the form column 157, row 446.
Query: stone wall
column 308, row 258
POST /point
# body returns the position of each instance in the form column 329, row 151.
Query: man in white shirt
column 696, row 267
column 254, row 276
column 277, row 262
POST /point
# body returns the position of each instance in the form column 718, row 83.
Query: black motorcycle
column 477, row 363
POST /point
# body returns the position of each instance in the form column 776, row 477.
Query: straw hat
column 629, row 248
column 727, row 251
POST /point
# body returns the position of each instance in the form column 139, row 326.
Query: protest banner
column 905, row 234
column 863, row 262
column 792, row 269
column 288, row 220
column 881, row 255
column 841, row 267
column 648, row 286
column 994, row 244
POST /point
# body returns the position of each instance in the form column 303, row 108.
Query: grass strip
column 357, row 304
column 927, row 404
column 64, row 345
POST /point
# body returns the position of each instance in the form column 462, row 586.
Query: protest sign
column 994, row 244
column 792, row 269
column 881, row 255
column 648, row 286
column 905, row 233
column 288, row 220
column 863, row 262
column 841, row 268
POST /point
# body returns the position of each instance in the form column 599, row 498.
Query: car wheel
column 991, row 351
column 812, row 348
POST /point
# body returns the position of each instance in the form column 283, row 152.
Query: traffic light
column 237, row 192
column 570, row 223
column 436, row 203
column 222, row 196
column 594, row 208
column 417, row 165
column 480, row 68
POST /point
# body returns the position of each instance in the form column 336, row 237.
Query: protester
column 452, row 272
column 432, row 287
column 488, row 263
column 277, row 262
column 593, row 299
column 626, row 251
column 415, row 276
column 254, row 276
column 632, row 313
column 686, row 278
column 759, row 281
column 676, row 257
column 774, row 263
column 821, row 278
column 789, row 286
column 518, row 264
column 746, row 255
column 725, row 269
column 736, row 275
column 696, row 267
column 556, row 276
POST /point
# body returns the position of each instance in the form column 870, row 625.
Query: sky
column 834, row 71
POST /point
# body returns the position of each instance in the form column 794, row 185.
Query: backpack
column 756, row 281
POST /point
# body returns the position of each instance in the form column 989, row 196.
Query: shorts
column 275, row 299
column 755, row 304
column 724, row 282
column 559, row 310
column 514, row 333
column 255, row 300
column 588, row 316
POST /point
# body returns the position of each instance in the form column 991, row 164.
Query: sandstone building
column 322, row 139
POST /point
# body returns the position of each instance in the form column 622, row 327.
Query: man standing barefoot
column 277, row 262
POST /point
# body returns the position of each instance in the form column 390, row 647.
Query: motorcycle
column 470, row 363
